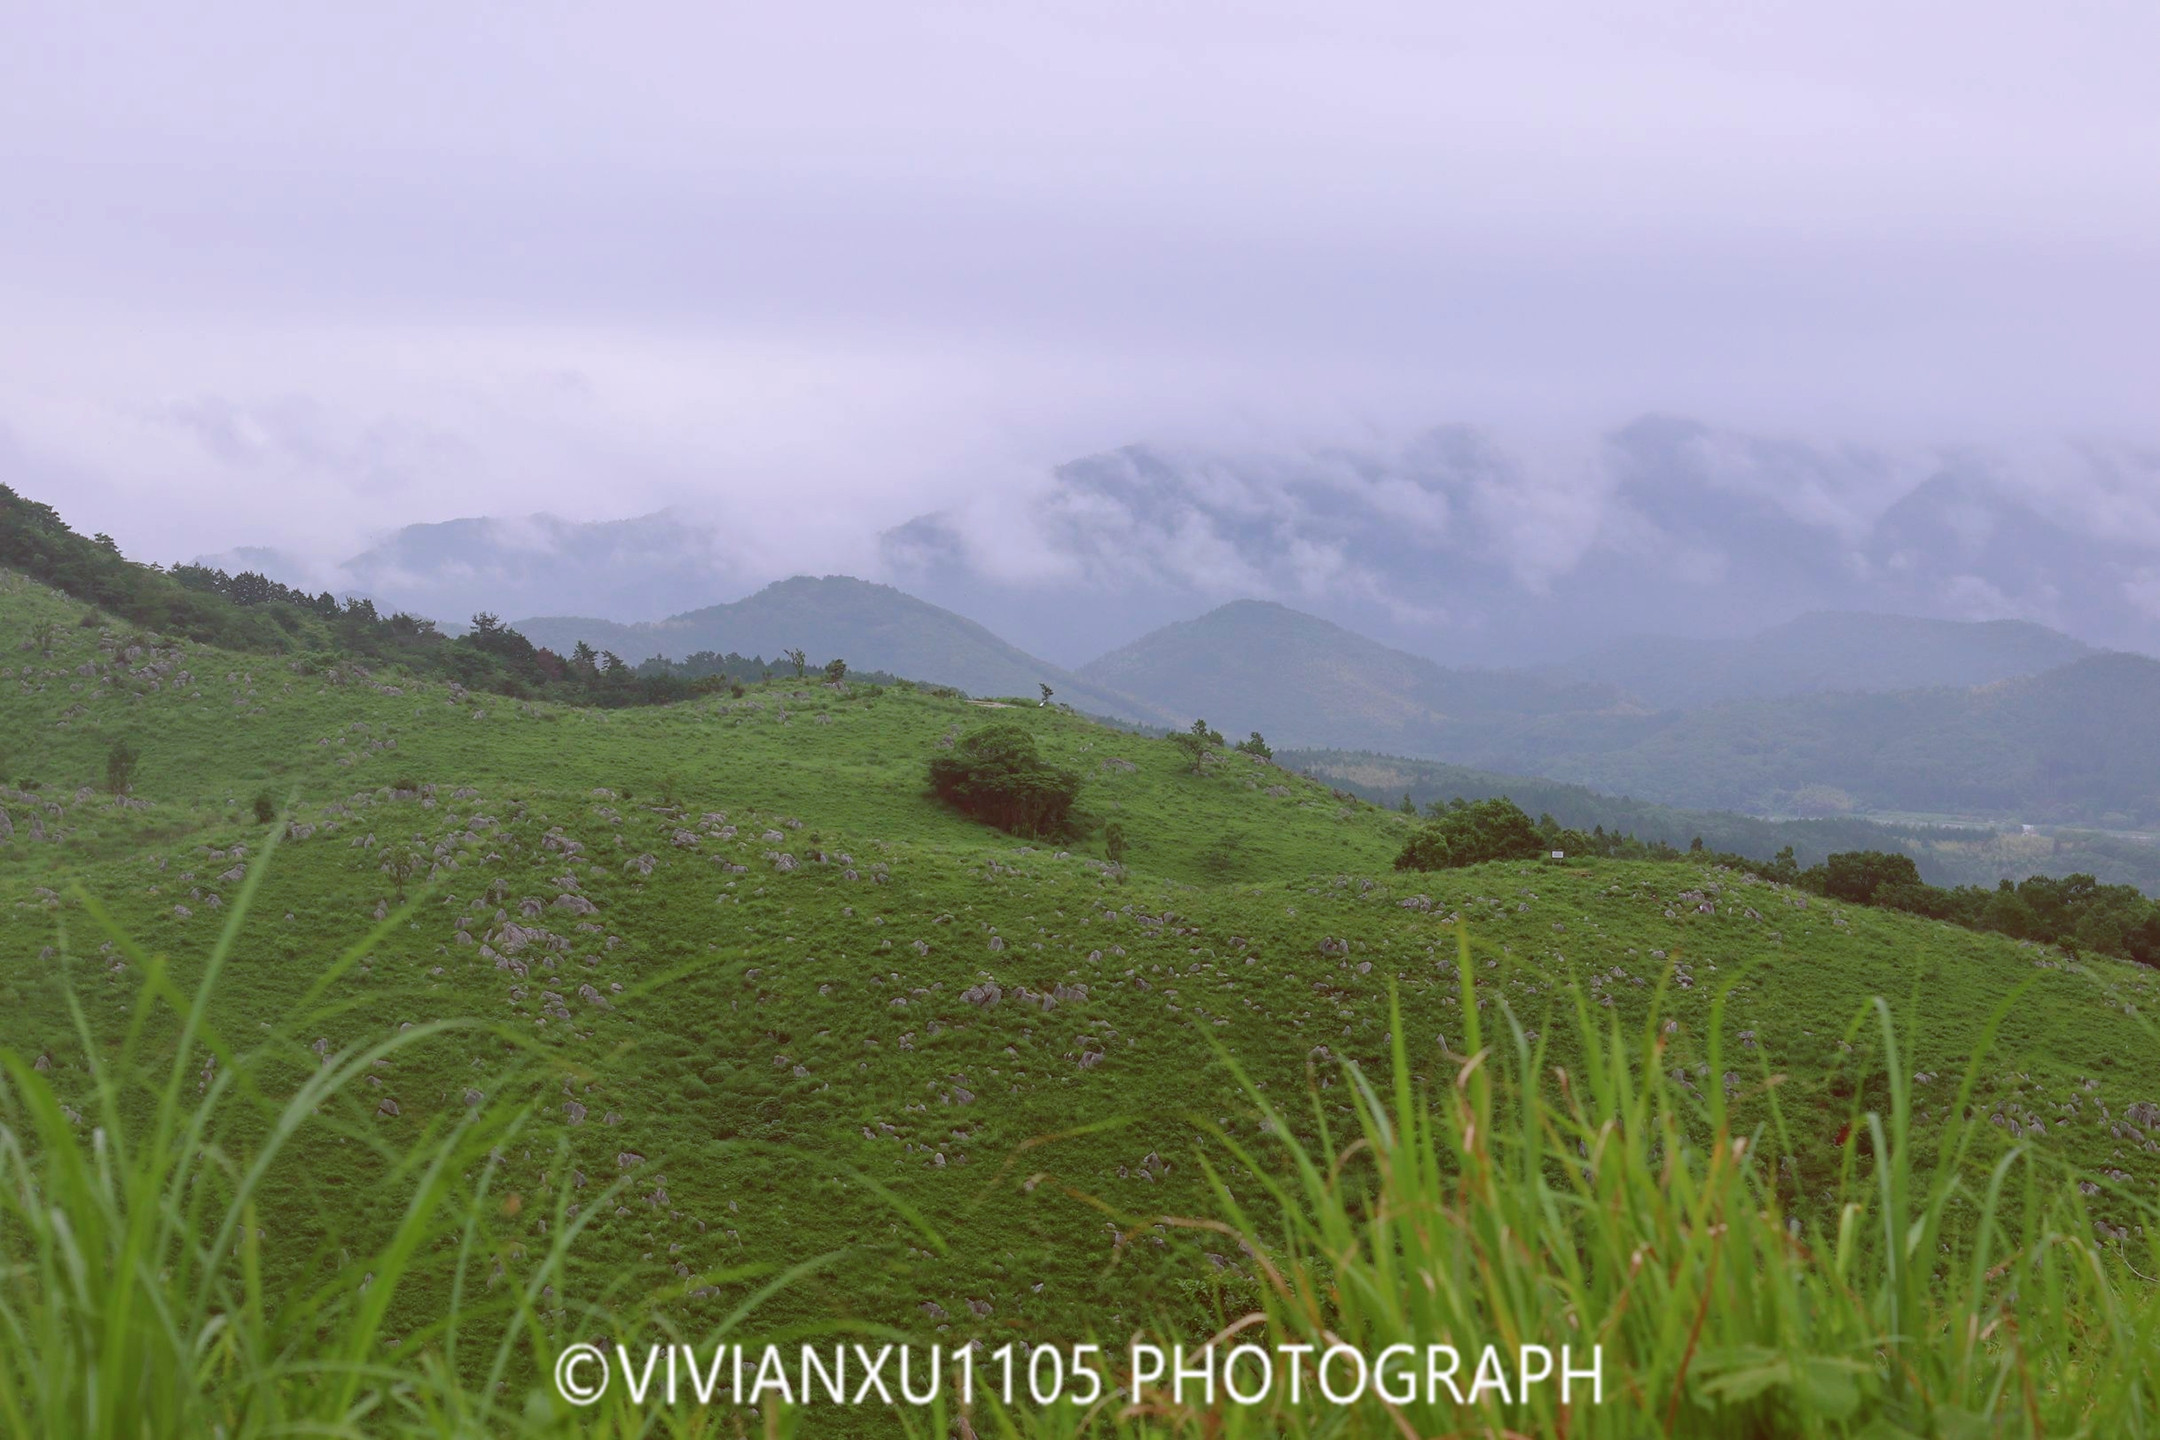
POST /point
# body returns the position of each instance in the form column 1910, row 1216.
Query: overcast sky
column 292, row 274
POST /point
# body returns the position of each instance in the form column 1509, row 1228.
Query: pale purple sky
column 289, row 274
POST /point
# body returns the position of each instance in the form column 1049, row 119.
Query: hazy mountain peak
column 870, row 625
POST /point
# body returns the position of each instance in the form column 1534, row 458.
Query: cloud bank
column 286, row 277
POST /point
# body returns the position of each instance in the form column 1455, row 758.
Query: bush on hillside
column 1467, row 833
column 1195, row 742
column 120, row 763
column 996, row 775
column 1858, row 876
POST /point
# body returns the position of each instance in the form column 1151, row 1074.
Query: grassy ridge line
column 214, row 728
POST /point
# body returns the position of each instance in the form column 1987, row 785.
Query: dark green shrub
column 1855, row 875
column 120, row 763
column 996, row 776
column 1471, row 834
column 265, row 808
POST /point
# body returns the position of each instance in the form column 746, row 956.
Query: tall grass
column 1524, row 1204
column 1512, row 1202
column 137, row 1293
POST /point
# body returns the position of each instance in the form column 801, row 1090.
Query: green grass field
column 727, row 991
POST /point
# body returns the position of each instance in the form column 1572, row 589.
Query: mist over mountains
column 1455, row 547
column 1459, row 544
column 627, row 570
column 1824, row 650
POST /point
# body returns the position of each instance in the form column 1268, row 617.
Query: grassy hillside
column 1823, row 651
column 873, row 627
column 729, row 954
column 1946, row 855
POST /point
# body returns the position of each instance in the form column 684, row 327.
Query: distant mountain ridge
column 838, row 617
column 2073, row 743
column 1825, row 650
column 1307, row 681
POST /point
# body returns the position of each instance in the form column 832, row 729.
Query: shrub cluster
column 996, row 775
column 1463, row 832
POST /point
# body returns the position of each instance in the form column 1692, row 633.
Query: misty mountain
column 1306, row 681
column 654, row 564
column 873, row 627
column 1459, row 546
column 1826, row 650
